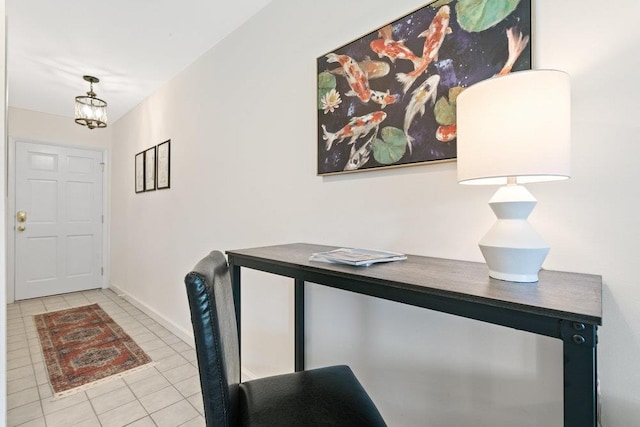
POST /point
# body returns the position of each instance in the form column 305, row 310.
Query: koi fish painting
column 388, row 99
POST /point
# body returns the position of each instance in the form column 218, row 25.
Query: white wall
column 49, row 128
column 3, row 204
column 241, row 121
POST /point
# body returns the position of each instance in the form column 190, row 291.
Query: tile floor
column 167, row 394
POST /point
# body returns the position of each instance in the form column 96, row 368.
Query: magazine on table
column 357, row 257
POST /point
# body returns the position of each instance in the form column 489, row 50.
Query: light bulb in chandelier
column 91, row 111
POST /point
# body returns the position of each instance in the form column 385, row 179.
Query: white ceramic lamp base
column 513, row 250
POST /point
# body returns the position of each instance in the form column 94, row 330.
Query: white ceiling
column 132, row 46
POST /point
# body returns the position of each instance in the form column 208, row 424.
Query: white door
column 58, row 220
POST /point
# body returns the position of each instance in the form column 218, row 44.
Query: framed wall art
column 150, row 169
column 139, row 172
column 388, row 99
column 164, row 164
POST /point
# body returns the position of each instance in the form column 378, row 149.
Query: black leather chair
column 329, row 396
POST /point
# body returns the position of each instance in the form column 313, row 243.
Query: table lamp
column 512, row 130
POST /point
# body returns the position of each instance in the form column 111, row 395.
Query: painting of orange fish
column 388, row 98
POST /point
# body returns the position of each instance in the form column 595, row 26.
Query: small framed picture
column 150, row 169
column 139, row 172
column 164, row 165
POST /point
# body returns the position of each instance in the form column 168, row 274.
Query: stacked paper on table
column 357, row 257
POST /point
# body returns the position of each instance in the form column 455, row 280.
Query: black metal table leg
column 299, row 325
column 235, row 286
column 580, row 374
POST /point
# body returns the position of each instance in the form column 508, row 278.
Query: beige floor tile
column 37, row 357
column 172, row 339
column 23, row 343
column 190, row 355
column 16, row 328
column 149, row 385
column 21, row 384
column 45, row 391
column 106, row 387
column 160, row 399
column 189, row 387
column 143, row 337
column 42, row 377
column 17, row 373
column 145, row 320
column 113, row 399
column 143, row 422
column 180, row 373
column 161, row 332
column 24, row 413
column 29, row 309
column 169, row 363
column 72, row 416
column 123, row 415
column 181, row 346
column 57, row 307
column 13, row 339
column 152, row 345
column 196, row 422
column 23, row 397
column 91, row 422
column 141, row 375
column 13, row 311
column 160, row 353
column 196, row 402
column 19, row 362
column 18, row 354
column 53, row 405
column 174, row 415
column 38, row 422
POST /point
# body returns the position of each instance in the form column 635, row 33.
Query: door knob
column 21, row 216
column 21, row 228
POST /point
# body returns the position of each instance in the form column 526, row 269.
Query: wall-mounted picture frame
column 139, row 172
column 164, row 165
column 150, row 169
column 388, row 99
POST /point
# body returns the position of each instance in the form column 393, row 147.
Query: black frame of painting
column 149, row 186
column 160, row 170
column 140, row 155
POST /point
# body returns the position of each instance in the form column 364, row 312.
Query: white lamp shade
column 517, row 125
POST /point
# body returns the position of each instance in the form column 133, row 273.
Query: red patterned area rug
column 84, row 347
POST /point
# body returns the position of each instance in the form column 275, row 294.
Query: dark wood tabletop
column 570, row 296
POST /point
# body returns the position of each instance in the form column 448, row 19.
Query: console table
column 561, row 305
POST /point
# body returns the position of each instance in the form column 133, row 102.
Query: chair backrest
column 216, row 336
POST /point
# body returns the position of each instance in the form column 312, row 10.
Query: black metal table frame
column 579, row 338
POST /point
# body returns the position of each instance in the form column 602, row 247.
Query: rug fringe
column 101, row 381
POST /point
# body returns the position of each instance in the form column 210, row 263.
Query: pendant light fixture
column 91, row 111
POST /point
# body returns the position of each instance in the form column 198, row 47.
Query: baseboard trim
column 186, row 336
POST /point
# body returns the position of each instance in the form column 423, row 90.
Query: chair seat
column 330, row 396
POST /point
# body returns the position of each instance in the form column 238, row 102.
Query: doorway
column 57, row 217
